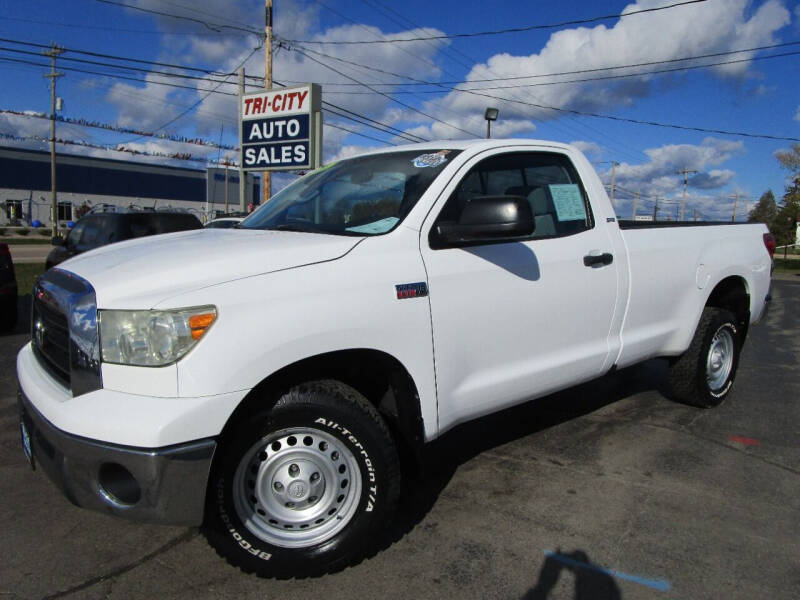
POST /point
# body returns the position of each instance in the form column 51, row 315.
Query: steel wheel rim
column 719, row 362
column 297, row 487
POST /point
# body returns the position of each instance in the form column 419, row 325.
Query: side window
column 74, row 235
column 92, row 235
column 548, row 181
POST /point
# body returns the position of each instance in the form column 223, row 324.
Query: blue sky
column 757, row 94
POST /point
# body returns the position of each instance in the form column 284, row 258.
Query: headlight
column 151, row 338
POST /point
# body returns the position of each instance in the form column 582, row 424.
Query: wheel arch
column 377, row 375
column 732, row 293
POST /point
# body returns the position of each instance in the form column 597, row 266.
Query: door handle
column 590, row 260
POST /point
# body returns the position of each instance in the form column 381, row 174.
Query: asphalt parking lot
column 608, row 490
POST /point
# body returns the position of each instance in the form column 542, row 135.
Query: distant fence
column 785, row 248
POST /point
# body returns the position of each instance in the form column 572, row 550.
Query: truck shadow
column 443, row 457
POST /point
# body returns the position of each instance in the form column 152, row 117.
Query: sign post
column 282, row 129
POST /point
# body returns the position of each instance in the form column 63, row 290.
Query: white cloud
column 679, row 32
column 665, row 160
column 797, row 114
column 589, row 148
column 713, row 179
column 659, row 177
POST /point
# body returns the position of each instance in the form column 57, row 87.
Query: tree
column 765, row 210
column 784, row 225
column 790, row 159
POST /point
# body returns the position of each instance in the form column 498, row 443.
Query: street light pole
column 490, row 115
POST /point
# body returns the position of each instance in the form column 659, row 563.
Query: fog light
column 118, row 485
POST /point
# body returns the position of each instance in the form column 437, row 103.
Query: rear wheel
column 703, row 375
column 303, row 488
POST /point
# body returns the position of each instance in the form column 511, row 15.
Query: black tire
column 693, row 378
column 340, row 438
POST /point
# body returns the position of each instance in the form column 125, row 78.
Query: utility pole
column 635, row 202
column 685, row 172
column 227, row 164
column 266, row 179
column 655, row 211
column 695, row 214
column 54, row 52
column 613, row 179
column 242, row 176
column 735, row 202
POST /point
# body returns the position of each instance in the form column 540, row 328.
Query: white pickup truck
column 261, row 381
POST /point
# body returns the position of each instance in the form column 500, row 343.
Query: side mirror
column 486, row 219
column 57, row 241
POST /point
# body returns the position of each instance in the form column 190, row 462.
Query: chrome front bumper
column 162, row 485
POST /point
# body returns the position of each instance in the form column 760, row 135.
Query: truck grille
column 50, row 337
column 64, row 330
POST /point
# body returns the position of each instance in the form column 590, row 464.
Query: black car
column 101, row 228
column 8, row 291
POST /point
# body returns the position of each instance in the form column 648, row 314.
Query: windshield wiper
column 300, row 227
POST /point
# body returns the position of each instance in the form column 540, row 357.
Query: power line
column 166, row 74
column 199, row 102
column 416, row 57
column 396, row 132
column 122, row 67
column 445, row 50
column 369, row 137
column 114, row 75
column 498, row 31
column 475, row 92
column 120, row 29
column 408, row 106
column 554, row 74
column 590, row 79
column 124, row 58
column 212, row 26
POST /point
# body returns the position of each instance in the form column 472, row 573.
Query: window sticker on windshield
column 568, row 201
column 381, row 226
column 433, row 159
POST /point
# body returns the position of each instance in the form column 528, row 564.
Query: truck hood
column 143, row 272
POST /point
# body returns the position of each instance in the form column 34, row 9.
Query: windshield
column 369, row 195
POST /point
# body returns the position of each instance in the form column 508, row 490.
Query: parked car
column 224, row 222
column 8, row 290
column 265, row 383
column 101, row 228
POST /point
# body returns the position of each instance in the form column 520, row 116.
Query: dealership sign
column 282, row 129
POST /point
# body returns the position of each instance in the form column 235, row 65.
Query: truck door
column 512, row 321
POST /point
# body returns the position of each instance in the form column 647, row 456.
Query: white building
column 83, row 180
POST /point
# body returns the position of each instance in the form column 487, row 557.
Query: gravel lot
column 608, row 490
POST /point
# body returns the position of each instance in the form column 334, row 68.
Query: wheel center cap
column 297, row 489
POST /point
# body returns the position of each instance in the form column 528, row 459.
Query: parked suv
column 101, row 228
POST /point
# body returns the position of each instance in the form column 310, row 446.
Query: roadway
column 634, row 495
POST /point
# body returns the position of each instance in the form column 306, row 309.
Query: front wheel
column 300, row 489
column 703, row 375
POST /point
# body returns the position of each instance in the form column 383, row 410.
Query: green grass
column 788, row 264
column 11, row 241
column 26, row 275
